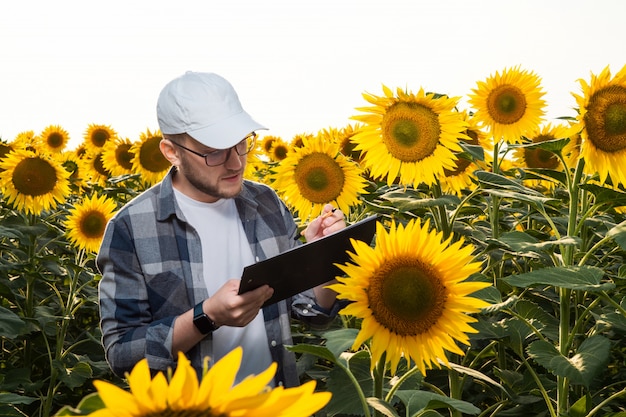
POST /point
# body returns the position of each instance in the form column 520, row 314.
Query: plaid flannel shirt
column 151, row 265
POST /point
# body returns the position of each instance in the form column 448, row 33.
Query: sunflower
column 93, row 168
column 33, row 182
column 26, row 140
column 602, row 117
column 460, row 178
column 537, row 158
column 510, row 104
column 86, row 222
column 54, row 138
column 116, row 156
column 279, row 150
column 410, row 292
column 147, row 157
column 214, row 395
column 72, row 164
column 317, row 174
column 97, row 135
column 413, row 136
column 298, row 140
column 346, row 145
column 266, row 143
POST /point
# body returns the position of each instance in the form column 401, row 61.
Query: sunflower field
column 495, row 284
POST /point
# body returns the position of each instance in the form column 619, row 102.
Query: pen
column 329, row 213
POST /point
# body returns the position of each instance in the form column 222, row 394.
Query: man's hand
column 329, row 221
column 229, row 308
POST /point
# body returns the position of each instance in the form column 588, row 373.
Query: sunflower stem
column 379, row 379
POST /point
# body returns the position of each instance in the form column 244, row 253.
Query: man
column 171, row 259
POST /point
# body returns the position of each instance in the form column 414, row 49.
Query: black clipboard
column 307, row 265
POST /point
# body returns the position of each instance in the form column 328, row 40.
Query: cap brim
column 228, row 132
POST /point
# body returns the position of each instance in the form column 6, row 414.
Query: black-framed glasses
column 220, row 156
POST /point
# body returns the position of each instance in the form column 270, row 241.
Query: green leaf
column 583, row 278
column 10, row 398
column 345, row 399
column 552, row 145
column 383, row 407
column 416, row 401
column 75, row 376
column 618, row 234
column 589, row 360
column 478, row 375
column 11, row 325
column 338, row 341
column 87, row 405
column 316, row 350
column 523, row 242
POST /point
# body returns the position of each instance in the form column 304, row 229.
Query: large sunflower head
column 116, row 156
column 602, row 117
column 33, row 182
column 147, row 157
column 509, row 104
column 87, row 220
column 97, row 135
column 184, row 396
column 410, row 136
column 317, row 174
column 410, row 291
column 54, row 138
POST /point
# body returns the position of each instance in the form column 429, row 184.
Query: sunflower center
column 280, row 152
column 540, row 158
column 506, row 104
column 407, row 296
column 55, row 140
column 123, row 157
column 410, row 131
column 92, row 224
column 99, row 166
column 34, row 177
column 605, row 119
column 461, row 166
column 319, row 177
column 150, row 156
column 99, row 137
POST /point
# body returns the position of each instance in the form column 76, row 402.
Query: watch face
column 202, row 322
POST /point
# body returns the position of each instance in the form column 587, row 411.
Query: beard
column 208, row 184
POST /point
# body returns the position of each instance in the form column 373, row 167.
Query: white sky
column 298, row 66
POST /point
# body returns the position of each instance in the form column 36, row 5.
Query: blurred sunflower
column 86, row 222
column 116, row 156
column 93, row 168
column 413, row 136
column 54, row 138
column 317, row 174
column 510, row 104
column 602, row 117
column 33, row 182
column 346, row 145
column 411, row 294
column 542, row 159
column 214, row 395
column 5, row 148
column 147, row 157
column 70, row 161
column 298, row 140
column 26, row 140
column 266, row 143
column 278, row 151
column 97, row 135
column 460, row 178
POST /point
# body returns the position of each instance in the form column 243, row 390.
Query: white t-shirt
column 225, row 252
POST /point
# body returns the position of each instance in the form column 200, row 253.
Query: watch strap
column 202, row 321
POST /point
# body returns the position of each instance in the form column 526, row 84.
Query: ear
column 169, row 151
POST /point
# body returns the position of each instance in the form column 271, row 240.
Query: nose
column 233, row 160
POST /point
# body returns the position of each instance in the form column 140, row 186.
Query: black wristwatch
column 202, row 322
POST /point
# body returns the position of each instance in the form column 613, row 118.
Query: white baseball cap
column 206, row 107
